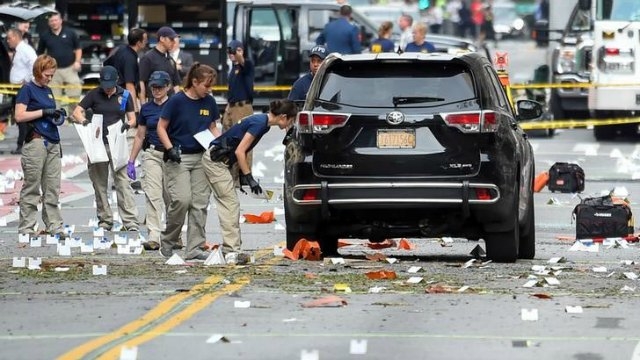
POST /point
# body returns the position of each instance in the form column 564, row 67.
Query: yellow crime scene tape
column 575, row 124
column 11, row 89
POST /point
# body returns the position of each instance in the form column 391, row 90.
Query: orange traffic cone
column 540, row 181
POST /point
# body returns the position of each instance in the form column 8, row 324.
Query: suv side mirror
column 584, row 5
column 528, row 109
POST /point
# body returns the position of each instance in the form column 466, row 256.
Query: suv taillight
column 473, row 121
column 309, row 122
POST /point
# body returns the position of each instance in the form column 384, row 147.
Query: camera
column 231, row 51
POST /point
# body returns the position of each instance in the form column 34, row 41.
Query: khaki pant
column 68, row 96
column 154, row 191
column 189, row 194
column 99, row 176
column 42, row 168
column 228, row 205
column 232, row 116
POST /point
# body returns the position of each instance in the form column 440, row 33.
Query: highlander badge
column 395, row 118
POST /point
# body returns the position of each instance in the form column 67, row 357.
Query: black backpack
column 566, row 178
column 602, row 217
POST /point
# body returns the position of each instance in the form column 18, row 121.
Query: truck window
column 581, row 21
column 619, row 10
column 317, row 20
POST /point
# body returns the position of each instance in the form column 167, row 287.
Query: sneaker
column 202, row 256
column 166, row 253
column 151, row 245
column 131, row 228
column 178, row 246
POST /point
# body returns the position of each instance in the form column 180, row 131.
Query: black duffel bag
column 602, row 217
column 566, row 177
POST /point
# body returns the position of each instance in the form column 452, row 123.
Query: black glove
column 251, row 182
column 172, row 154
column 125, row 126
column 49, row 112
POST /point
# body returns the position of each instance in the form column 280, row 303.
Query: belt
column 156, row 147
column 240, row 103
column 34, row 135
column 191, row 152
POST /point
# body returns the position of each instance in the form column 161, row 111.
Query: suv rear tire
column 527, row 247
column 503, row 246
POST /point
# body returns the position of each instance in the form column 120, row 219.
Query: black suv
column 411, row 145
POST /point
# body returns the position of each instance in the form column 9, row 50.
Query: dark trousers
column 22, row 134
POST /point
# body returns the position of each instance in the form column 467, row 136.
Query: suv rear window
column 375, row 84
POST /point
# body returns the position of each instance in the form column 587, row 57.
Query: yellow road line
column 175, row 320
column 139, row 323
column 203, row 297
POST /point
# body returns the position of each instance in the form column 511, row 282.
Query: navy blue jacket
column 300, row 88
column 340, row 36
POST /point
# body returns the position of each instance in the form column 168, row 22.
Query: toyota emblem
column 395, row 118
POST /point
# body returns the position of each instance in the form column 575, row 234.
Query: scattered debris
column 529, row 314
column 304, row 249
column 404, row 244
column 265, row 217
column 358, row 347
column 376, row 289
column 327, row 301
column 376, row 257
column 557, row 260
column 175, row 259
column 217, row 338
column 381, row 275
column 241, row 304
column 99, row 269
column 215, row 257
column 478, row 252
column 342, row 288
column 544, row 296
column 573, row 309
column 382, row 245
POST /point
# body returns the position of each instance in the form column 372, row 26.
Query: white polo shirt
column 22, row 65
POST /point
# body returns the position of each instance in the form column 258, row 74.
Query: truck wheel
column 604, row 132
column 555, row 105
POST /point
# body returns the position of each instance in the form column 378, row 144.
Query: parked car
column 431, row 149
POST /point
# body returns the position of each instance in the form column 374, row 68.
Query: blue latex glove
column 131, row 170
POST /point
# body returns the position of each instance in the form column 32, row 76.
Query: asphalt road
column 145, row 309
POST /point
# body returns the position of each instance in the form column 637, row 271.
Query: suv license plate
column 396, row 139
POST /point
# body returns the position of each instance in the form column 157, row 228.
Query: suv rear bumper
column 400, row 193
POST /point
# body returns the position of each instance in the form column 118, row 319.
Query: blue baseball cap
column 159, row 78
column 319, row 51
column 235, row 44
column 108, row 77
